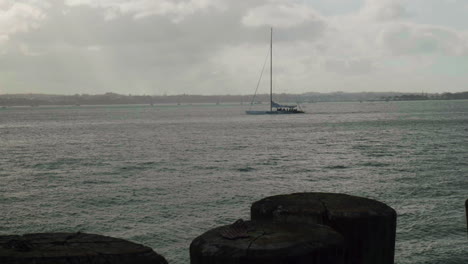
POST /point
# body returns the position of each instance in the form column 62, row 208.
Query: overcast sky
column 219, row 46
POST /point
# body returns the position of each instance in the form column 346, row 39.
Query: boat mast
column 271, row 69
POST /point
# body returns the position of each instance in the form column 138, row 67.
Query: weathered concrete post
column 368, row 226
column 253, row 242
column 466, row 211
column 67, row 248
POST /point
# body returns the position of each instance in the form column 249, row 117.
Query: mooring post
column 466, row 212
column 65, row 248
column 368, row 226
column 253, row 242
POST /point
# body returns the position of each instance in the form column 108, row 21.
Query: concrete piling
column 67, row 248
column 259, row 242
column 368, row 226
column 300, row 228
column 466, row 212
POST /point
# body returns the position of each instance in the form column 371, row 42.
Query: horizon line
column 186, row 94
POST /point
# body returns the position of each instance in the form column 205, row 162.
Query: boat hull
column 251, row 112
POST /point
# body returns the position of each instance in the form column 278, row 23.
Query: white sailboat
column 275, row 108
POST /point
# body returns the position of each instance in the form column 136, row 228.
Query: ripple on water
column 162, row 177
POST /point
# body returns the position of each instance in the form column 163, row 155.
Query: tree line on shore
column 114, row 98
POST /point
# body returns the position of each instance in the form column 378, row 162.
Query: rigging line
column 258, row 83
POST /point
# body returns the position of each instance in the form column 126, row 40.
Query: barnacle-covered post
column 66, row 248
column 466, row 211
column 368, row 226
column 258, row 242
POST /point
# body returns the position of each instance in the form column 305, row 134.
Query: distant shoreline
column 34, row 100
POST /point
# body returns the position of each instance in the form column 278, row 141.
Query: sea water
column 163, row 175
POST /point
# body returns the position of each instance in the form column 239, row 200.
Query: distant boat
column 275, row 108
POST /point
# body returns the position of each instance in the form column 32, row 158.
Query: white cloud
column 382, row 31
column 177, row 10
column 282, row 14
column 383, row 10
column 414, row 39
column 18, row 17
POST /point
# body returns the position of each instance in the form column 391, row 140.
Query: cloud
column 348, row 66
column 384, row 10
column 414, row 39
column 294, row 22
column 281, row 15
column 177, row 10
column 383, row 31
column 217, row 46
column 18, row 17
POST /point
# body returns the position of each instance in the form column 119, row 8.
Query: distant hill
column 113, row 98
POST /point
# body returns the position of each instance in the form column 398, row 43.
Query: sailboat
column 275, row 108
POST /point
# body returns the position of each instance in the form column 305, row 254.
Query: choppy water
column 163, row 175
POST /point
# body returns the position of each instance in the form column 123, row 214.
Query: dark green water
column 163, row 175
